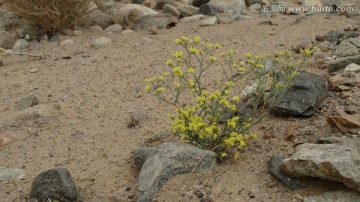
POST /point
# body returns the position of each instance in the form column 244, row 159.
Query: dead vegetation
column 49, row 16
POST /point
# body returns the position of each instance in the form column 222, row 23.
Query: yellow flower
column 248, row 55
column 178, row 41
column 191, row 83
column 193, row 50
column 214, row 95
column 223, row 155
column 235, row 99
column 177, row 84
column 210, row 45
column 260, row 66
column 160, row 78
column 196, row 39
column 253, row 135
column 224, row 101
column 232, row 122
column 236, row 155
column 191, row 70
column 229, row 84
column 212, row 58
column 241, row 144
column 217, row 46
column 147, row 88
column 231, row 52
column 169, row 63
column 160, row 89
column 178, row 54
column 177, row 71
column 184, row 137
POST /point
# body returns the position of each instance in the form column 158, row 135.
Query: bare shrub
column 49, row 16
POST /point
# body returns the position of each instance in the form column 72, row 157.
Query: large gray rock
column 332, row 3
column 54, row 185
column 7, row 40
column 208, row 9
column 159, row 21
column 336, row 196
column 341, row 63
column 333, row 158
column 167, row 8
column 348, row 47
column 130, row 13
column 11, row 173
column 303, row 98
column 168, row 160
column 233, row 7
column 188, row 10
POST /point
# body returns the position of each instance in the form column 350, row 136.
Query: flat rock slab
column 336, row 196
column 11, row 173
column 304, row 97
column 332, row 158
column 54, row 185
column 274, row 169
column 168, row 160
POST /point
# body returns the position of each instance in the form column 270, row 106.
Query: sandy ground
column 93, row 91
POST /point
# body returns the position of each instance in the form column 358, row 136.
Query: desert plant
column 211, row 112
column 49, row 16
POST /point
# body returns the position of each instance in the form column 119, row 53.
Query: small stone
column 20, row 45
column 100, row 42
column 305, row 43
column 27, row 102
column 209, row 21
column 116, row 28
column 66, row 42
column 11, row 173
column 33, row 70
column 352, row 68
column 192, row 19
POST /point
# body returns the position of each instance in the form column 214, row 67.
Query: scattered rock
column 340, row 196
column 345, row 123
column 225, row 18
column 167, row 8
column 27, row 102
column 7, row 40
column 175, row 3
column 188, row 10
column 305, row 43
column 341, row 63
column 192, row 19
column 254, row 8
column 198, row 3
column 337, row 36
column 309, row 3
column 303, row 97
column 66, row 42
column 97, row 18
column 233, row 7
column 274, row 169
column 208, row 9
column 100, row 42
column 348, row 47
column 332, row 158
column 331, row 3
column 20, row 45
column 159, row 21
column 6, row 138
column 127, row 31
column 130, row 13
column 106, row 6
column 116, row 28
column 11, row 173
column 54, row 185
column 209, row 21
column 137, row 116
column 352, row 68
column 171, row 159
column 140, row 155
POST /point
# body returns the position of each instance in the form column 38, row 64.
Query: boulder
column 116, row 28
column 54, row 185
column 339, row 196
column 188, row 10
column 167, row 8
column 348, row 47
column 128, row 14
column 168, row 160
column 159, row 21
column 303, row 98
column 233, row 7
column 332, row 158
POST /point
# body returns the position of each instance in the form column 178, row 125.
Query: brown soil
column 93, row 91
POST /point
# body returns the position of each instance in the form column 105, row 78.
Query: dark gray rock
column 137, row 1
column 337, row 36
column 11, row 173
column 159, row 21
column 338, row 196
column 251, row 2
column 274, row 169
column 332, row 158
column 140, row 155
column 54, row 185
column 207, row 9
column 303, row 98
column 27, row 102
column 198, row 3
column 341, row 63
column 348, row 47
column 168, row 160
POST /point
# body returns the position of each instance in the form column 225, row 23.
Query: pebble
column 33, row 70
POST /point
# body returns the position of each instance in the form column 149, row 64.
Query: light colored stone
column 192, row 19
column 168, row 8
column 127, row 31
column 6, row 138
column 100, row 42
column 11, row 173
column 209, row 21
column 116, row 28
column 20, row 45
column 127, row 15
column 333, row 158
column 352, row 68
column 347, row 48
column 7, row 40
column 66, row 42
column 233, row 7
column 310, row 3
column 188, row 10
column 105, row 6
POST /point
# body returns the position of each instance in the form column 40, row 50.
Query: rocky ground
column 87, row 86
